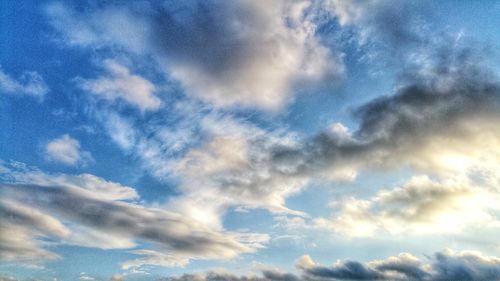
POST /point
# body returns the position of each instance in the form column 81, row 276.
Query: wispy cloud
column 30, row 83
column 119, row 84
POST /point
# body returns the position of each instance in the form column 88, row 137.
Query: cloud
column 395, row 24
column 239, row 54
column 67, row 150
column 120, row 84
column 29, row 83
column 421, row 205
column 220, row 275
column 19, row 173
column 79, row 215
column 116, row 278
column 441, row 122
column 445, row 265
column 84, row 276
column 155, row 258
column 434, row 116
column 440, row 119
column 8, row 278
column 225, row 155
column 21, row 225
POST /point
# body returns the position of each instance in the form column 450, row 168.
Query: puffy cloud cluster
column 246, row 53
column 421, row 205
column 67, row 150
column 88, row 211
column 445, row 265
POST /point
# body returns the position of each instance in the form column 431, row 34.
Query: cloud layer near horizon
column 445, row 265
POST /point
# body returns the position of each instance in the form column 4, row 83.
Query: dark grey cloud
column 464, row 267
column 349, row 270
column 454, row 97
column 445, row 265
column 279, row 275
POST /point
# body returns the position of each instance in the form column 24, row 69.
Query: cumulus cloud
column 422, row 124
column 445, row 265
column 29, row 83
column 67, row 150
column 119, row 83
column 421, row 205
column 80, row 215
column 240, row 53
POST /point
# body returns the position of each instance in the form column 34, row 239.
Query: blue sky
column 249, row 140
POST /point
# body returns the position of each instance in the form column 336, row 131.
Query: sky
column 284, row 140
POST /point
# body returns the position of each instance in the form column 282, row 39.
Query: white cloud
column 30, row 83
column 99, row 187
column 278, row 49
column 119, row 83
column 227, row 54
column 67, row 150
column 84, row 276
column 420, row 206
column 84, row 212
column 225, row 155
